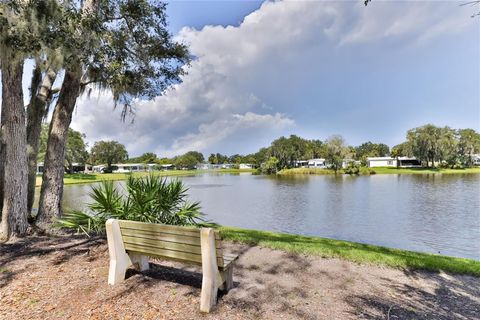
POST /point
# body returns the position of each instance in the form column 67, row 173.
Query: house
column 300, row 164
column 317, row 163
column 381, row 162
column 245, row 166
column 40, row 167
column 476, row 159
column 406, row 162
column 204, row 166
column 167, row 166
column 401, row 162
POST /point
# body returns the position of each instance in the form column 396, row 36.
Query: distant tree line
column 433, row 146
column 443, row 146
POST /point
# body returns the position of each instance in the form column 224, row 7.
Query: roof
column 379, row 158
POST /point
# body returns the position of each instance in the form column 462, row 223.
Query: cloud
column 293, row 65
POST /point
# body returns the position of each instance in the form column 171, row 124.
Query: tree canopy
column 108, row 152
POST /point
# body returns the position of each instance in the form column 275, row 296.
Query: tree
column 76, row 149
column 197, row 155
column 337, row 150
column 186, row 161
column 122, row 46
column 212, row 159
column 423, row 141
column 468, row 145
column 369, row 149
column 26, row 27
column 270, row 166
column 108, row 152
column 147, row 157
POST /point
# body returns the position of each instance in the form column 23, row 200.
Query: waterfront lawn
column 390, row 170
column 352, row 251
column 78, row 178
column 380, row 170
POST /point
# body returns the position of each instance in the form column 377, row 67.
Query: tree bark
column 14, row 140
column 52, row 182
column 36, row 110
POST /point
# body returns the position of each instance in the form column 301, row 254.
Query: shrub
column 152, row 199
column 352, row 168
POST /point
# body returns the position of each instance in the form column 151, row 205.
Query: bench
column 132, row 243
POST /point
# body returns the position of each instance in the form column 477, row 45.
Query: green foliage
column 369, row 149
column 75, row 148
column 108, row 152
column 294, row 148
column 336, row 151
column 186, row 161
column 270, row 167
column 352, row 168
column 151, row 199
column 443, row 145
column 147, row 157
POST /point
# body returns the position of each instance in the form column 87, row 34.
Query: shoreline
column 379, row 170
column 81, row 178
column 352, row 251
column 86, row 178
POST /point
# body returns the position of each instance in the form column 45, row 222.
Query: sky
column 310, row 68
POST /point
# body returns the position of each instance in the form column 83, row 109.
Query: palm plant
column 152, row 199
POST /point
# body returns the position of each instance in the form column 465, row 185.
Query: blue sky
column 311, row 68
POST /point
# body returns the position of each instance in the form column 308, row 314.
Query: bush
column 152, row 199
column 352, row 168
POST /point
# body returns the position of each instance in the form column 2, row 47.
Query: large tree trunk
column 52, row 181
column 36, row 110
column 14, row 138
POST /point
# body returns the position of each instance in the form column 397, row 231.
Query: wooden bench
column 131, row 243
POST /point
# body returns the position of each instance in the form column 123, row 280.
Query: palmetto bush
column 151, row 199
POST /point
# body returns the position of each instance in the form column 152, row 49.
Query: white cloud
column 256, row 77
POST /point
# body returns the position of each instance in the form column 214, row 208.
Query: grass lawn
column 78, row 178
column 381, row 170
column 352, row 251
column 390, row 170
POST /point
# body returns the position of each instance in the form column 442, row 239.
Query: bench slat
column 189, row 248
column 164, row 237
column 161, row 253
column 169, row 254
column 152, row 227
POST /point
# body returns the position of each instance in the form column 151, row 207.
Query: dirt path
column 66, row 278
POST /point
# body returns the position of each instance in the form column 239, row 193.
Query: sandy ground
column 66, row 278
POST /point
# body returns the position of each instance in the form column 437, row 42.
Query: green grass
column 380, row 170
column 352, row 251
column 390, row 170
column 79, row 178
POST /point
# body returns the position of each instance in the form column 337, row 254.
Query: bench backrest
column 165, row 241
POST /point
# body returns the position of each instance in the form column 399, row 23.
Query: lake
column 429, row 213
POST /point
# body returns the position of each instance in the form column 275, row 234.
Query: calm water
column 430, row 213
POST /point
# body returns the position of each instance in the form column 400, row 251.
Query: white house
column 245, row 166
column 401, row 162
column 128, row 167
column 317, row 163
column 300, row 164
column 381, row 162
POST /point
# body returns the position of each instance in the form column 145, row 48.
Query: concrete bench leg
column 210, row 283
column 139, row 261
column 226, row 277
column 119, row 259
